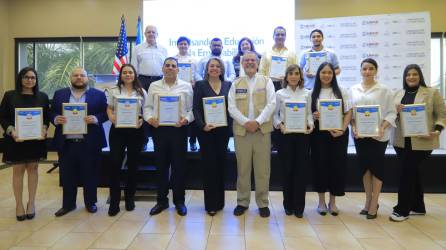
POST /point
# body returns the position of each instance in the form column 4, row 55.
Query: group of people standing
column 255, row 108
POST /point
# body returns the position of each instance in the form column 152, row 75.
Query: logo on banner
column 416, row 20
column 348, row 35
column 415, row 55
column 415, row 32
column 308, row 26
column 348, row 24
column 348, row 57
column 370, row 22
column 415, row 43
column 348, row 46
column 372, row 55
column 370, row 45
column 370, row 33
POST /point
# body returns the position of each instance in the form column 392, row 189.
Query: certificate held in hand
column 315, row 59
column 367, row 120
column 278, row 66
column 330, row 111
column 414, row 120
column 127, row 112
column 169, row 110
column 295, row 117
column 214, row 109
column 185, row 71
column 75, row 114
column 29, row 123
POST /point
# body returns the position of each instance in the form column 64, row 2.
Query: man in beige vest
column 251, row 102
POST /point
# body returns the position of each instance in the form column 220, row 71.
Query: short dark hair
column 289, row 69
column 279, row 28
column 21, row 74
column 183, row 38
column 371, row 61
column 170, row 58
column 318, row 31
column 420, row 73
column 222, row 68
column 215, row 39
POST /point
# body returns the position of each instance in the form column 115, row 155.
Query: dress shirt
column 180, row 87
column 266, row 113
column 265, row 62
column 327, row 93
column 148, row 60
column 116, row 92
column 303, row 63
column 191, row 60
column 201, row 67
column 288, row 94
column 378, row 94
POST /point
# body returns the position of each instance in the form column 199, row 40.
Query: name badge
column 241, row 93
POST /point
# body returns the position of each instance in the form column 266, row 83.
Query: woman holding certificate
column 332, row 113
column 415, row 138
column 23, row 150
column 294, row 119
column 374, row 113
column 124, row 111
column 210, row 112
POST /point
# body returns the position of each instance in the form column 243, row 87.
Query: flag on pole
column 122, row 51
column 139, row 31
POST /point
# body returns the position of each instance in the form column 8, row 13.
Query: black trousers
column 121, row 139
column 77, row 165
column 192, row 132
column 329, row 159
column 294, row 153
column 410, row 189
column 213, row 148
column 145, row 82
column 170, row 151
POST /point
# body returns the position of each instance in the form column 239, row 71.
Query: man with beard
column 79, row 154
column 317, row 37
column 251, row 102
column 216, row 49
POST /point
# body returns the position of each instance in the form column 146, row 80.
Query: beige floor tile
column 302, row 243
column 159, row 227
column 230, row 227
column 75, row 241
column 150, row 241
column 336, row 237
column 119, row 235
column 139, row 214
column 261, row 241
column 94, row 225
column 27, row 248
column 366, row 229
column 50, row 233
column 190, row 235
column 380, row 243
column 10, row 238
column 298, row 228
column 410, row 237
column 223, row 242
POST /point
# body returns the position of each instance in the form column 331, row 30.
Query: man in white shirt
column 216, row 50
column 170, row 142
column 251, row 102
column 148, row 58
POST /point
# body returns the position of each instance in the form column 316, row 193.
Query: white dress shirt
column 114, row 93
column 266, row 113
column 192, row 61
column 288, row 94
column 180, row 87
column 378, row 94
column 148, row 60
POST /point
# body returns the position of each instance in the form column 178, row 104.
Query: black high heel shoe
column 31, row 215
column 21, row 217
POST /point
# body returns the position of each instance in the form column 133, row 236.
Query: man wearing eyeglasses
column 168, row 109
column 251, row 102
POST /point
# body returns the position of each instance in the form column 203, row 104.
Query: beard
column 216, row 52
column 84, row 86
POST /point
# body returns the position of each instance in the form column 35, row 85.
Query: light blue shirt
column 303, row 63
column 81, row 99
column 201, row 67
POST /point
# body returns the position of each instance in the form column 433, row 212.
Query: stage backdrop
column 393, row 40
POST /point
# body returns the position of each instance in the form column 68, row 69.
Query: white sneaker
column 397, row 217
column 416, row 213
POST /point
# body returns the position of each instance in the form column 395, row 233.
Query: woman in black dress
column 213, row 140
column 23, row 155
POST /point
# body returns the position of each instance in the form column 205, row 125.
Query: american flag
column 122, row 51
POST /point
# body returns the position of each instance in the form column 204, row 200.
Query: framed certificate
column 75, row 114
column 127, row 112
column 315, row 59
column 185, row 71
column 295, row 117
column 330, row 111
column 278, row 67
column 367, row 119
column 169, row 107
column 413, row 120
column 29, row 123
column 214, row 109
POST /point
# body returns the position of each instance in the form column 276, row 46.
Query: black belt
column 75, row 140
column 151, row 77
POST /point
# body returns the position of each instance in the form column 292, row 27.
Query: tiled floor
column 137, row 230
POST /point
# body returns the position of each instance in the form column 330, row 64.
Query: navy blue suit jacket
column 96, row 105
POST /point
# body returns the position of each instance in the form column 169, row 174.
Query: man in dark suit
column 79, row 154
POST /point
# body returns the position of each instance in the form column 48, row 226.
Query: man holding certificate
column 413, row 150
column 79, row 149
column 293, row 118
column 168, row 108
column 311, row 59
column 251, row 103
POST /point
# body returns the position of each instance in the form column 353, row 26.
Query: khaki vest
column 242, row 100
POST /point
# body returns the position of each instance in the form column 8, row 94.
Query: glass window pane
column 435, row 63
column 25, row 55
column 54, row 63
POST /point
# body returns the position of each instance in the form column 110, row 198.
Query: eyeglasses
column 29, row 78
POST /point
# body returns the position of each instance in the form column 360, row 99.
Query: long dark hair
column 420, row 73
column 136, row 83
column 21, row 74
column 318, row 85
column 240, row 52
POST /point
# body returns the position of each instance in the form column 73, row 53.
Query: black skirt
column 23, row 152
column 370, row 154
